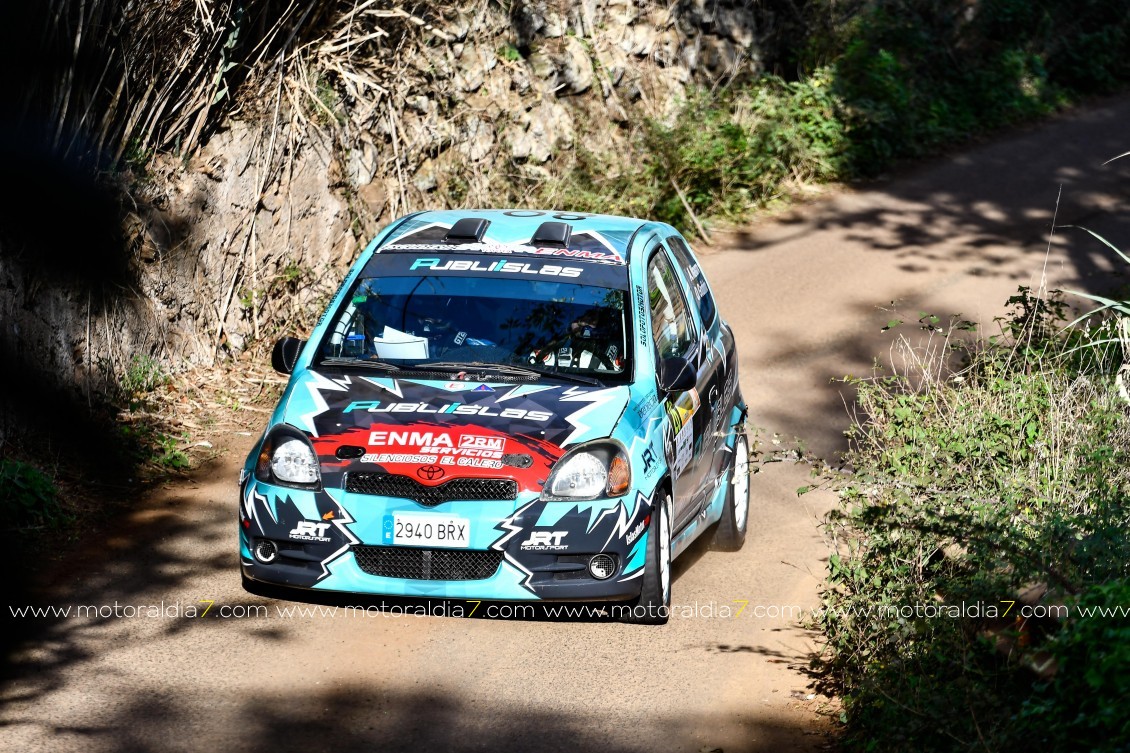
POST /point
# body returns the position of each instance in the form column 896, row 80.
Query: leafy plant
column 1084, row 707
column 291, row 273
column 1120, row 307
column 509, row 52
column 725, row 153
column 915, row 75
column 143, row 374
column 1108, row 338
column 169, row 454
column 28, row 498
column 326, row 101
column 249, row 296
column 980, row 468
column 151, row 445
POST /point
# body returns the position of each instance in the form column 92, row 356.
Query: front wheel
column 729, row 534
column 653, row 606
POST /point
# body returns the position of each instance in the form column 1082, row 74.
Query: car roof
column 593, row 237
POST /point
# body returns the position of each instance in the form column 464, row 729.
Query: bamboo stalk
column 89, row 377
column 69, row 78
column 338, row 47
column 396, row 154
column 222, row 314
column 690, row 212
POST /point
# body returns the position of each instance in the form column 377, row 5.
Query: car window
column 700, row 289
column 671, row 324
column 548, row 323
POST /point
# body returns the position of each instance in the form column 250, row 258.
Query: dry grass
column 159, row 74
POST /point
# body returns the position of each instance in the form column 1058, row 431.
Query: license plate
column 430, row 530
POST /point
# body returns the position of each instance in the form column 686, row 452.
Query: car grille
column 426, row 564
column 392, row 485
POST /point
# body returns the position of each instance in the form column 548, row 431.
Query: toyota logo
column 429, row 472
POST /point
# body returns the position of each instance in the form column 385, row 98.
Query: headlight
column 594, row 470
column 288, row 458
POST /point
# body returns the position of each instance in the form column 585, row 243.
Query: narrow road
column 808, row 293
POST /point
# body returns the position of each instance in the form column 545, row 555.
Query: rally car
column 504, row 405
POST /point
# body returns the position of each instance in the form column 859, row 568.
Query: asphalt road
column 808, row 293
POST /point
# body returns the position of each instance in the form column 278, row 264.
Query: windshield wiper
column 580, row 378
column 378, row 365
column 449, row 365
column 455, row 366
column 505, row 368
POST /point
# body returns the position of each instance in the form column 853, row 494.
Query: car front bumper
column 512, row 550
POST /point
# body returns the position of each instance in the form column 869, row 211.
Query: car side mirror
column 285, row 354
column 676, row 375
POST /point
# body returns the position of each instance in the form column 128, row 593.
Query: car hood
column 435, row 430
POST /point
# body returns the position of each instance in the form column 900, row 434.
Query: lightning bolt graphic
column 314, row 386
column 389, row 385
column 620, row 530
column 525, row 389
column 514, row 530
column 249, row 507
column 596, row 400
column 340, row 524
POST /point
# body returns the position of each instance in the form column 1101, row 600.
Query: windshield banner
column 425, row 264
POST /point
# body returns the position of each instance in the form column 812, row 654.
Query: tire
column 653, row 607
column 729, row 533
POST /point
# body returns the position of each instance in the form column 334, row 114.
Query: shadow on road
column 1000, row 196
column 159, row 557
column 365, row 718
column 957, row 236
column 148, row 556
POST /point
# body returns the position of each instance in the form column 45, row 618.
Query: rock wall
column 247, row 238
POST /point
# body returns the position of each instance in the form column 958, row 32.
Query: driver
column 453, row 326
column 591, row 343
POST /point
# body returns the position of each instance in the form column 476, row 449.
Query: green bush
column 982, row 468
column 143, row 375
column 918, row 75
column 1085, row 707
column 735, row 151
column 28, row 498
column 727, row 152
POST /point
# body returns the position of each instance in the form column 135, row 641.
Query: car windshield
column 440, row 321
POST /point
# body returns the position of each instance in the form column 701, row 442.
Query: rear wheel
column 729, row 534
column 653, row 607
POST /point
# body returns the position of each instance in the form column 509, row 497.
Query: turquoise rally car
column 504, row 405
